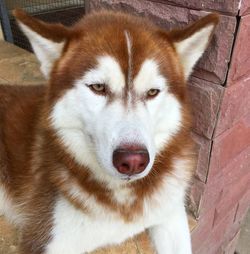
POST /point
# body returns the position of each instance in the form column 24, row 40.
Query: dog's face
column 108, row 120
column 117, row 90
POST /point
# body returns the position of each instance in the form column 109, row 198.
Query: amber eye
column 98, row 88
column 152, row 93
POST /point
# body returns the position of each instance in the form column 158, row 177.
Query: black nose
column 130, row 159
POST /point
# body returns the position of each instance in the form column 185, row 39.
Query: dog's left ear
column 191, row 42
column 47, row 40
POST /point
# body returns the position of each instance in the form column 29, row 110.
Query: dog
column 103, row 152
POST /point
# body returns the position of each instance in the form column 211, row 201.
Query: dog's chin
column 123, row 179
column 114, row 175
column 132, row 178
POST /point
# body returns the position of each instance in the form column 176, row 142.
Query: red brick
column 224, row 6
column 240, row 64
column 215, row 238
column 235, row 104
column 231, row 196
column 196, row 192
column 244, row 7
column 244, row 205
column 231, row 246
column 203, row 151
column 230, row 236
column 225, row 192
column 212, row 194
column 214, row 64
column 229, row 144
column 235, row 227
column 202, row 230
column 237, row 169
column 205, row 99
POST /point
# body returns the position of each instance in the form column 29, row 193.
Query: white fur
column 103, row 227
column 166, row 121
column 149, row 77
column 129, row 47
column 46, row 50
column 108, row 71
column 124, row 196
column 8, row 209
column 120, row 193
column 88, row 232
column 172, row 236
column 92, row 129
column 192, row 48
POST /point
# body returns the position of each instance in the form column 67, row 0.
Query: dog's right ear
column 47, row 40
column 191, row 42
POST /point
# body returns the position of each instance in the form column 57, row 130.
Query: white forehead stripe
column 149, row 77
column 108, row 71
column 129, row 47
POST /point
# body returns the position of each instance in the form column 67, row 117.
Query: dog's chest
column 75, row 232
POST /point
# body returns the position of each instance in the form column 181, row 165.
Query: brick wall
column 220, row 91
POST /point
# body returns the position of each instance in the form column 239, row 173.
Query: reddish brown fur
column 20, row 109
column 56, row 32
column 32, row 158
column 181, row 34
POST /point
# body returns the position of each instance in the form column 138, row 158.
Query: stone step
column 18, row 66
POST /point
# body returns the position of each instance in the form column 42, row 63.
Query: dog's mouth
column 127, row 178
column 134, row 177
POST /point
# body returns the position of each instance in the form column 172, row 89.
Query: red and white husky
column 102, row 152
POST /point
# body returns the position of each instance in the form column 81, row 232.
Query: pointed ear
column 47, row 40
column 191, row 42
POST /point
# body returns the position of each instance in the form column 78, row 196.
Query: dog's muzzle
column 130, row 159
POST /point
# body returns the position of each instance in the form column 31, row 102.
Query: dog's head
column 117, row 86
